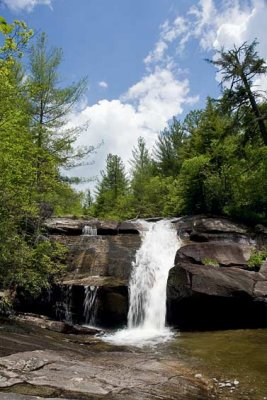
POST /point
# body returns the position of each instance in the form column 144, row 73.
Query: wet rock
column 106, row 256
column 113, row 306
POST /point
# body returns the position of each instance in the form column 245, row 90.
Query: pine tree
column 239, row 66
column 111, row 187
column 50, row 105
column 167, row 151
column 141, row 173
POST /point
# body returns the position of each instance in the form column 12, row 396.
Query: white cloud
column 103, row 84
column 169, row 32
column 146, row 107
column 28, row 5
column 214, row 25
column 143, row 111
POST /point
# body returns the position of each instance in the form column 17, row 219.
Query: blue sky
column 144, row 59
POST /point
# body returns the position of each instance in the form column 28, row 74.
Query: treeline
column 214, row 161
column 35, row 146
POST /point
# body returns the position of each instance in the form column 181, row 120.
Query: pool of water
column 239, row 355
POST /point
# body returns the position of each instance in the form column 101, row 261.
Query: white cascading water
column 147, row 289
column 89, row 231
column 89, row 306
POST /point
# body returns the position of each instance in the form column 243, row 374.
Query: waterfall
column 89, row 231
column 89, row 304
column 64, row 307
column 147, row 289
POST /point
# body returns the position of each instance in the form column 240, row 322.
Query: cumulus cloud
column 214, row 25
column 143, row 110
column 28, row 5
column 103, row 84
column 146, row 107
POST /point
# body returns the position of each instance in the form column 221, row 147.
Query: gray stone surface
column 14, row 396
column 126, row 375
column 74, row 226
column 100, row 256
column 225, row 254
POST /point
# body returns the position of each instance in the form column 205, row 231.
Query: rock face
column 225, row 254
column 210, row 286
column 200, row 228
column 75, row 226
column 100, row 256
column 102, row 262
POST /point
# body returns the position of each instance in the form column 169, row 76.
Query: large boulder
column 221, row 253
column 210, row 287
column 200, row 228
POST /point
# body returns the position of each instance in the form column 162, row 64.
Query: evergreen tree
column 239, row 66
column 141, row 173
column 111, row 187
column 50, row 105
column 167, row 151
column 25, row 261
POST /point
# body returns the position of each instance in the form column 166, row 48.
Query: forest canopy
column 214, row 161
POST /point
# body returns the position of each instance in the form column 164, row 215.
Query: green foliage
column 29, row 169
column 5, row 303
column 15, row 37
column 256, row 259
column 210, row 261
column 192, row 196
column 168, row 148
column 141, row 175
column 239, row 66
column 111, row 189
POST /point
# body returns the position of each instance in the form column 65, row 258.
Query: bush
column 256, row 259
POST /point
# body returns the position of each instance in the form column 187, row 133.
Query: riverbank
column 192, row 366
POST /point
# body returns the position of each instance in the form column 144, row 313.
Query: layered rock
column 210, row 286
column 200, row 228
column 102, row 261
column 75, row 226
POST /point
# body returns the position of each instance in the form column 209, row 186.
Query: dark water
column 227, row 355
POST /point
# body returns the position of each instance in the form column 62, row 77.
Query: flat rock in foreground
column 126, row 375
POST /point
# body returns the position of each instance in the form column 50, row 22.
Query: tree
column 87, row 202
column 239, row 66
column 167, row 151
column 112, row 186
column 15, row 38
column 141, row 173
column 50, row 105
column 25, row 259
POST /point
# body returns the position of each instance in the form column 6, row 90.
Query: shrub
column 256, row 259
column 210, row 261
